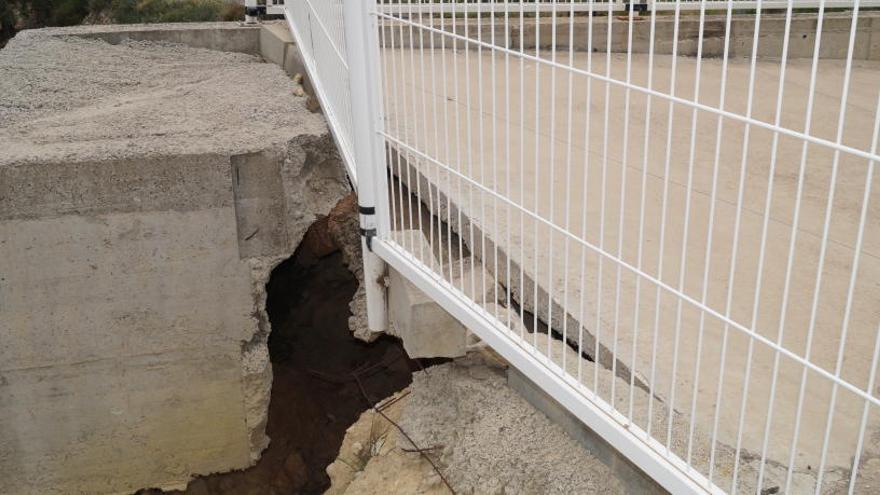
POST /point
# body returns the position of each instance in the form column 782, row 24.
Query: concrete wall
column 835, row 35
column 222, row 36
column 132, row 340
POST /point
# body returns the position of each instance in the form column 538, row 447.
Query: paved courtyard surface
column 578, row 157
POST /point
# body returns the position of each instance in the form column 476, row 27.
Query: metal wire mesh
column 668, row 217
column 667, row 214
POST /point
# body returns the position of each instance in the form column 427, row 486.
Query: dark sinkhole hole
column 323, row 378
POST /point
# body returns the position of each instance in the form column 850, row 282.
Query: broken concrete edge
column 372, row 435
column 312, row 182
column 312, row 187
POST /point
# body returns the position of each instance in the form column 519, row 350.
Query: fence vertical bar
column 362, row 47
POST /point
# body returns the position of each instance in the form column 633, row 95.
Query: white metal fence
column 675, row 213
column 317, row 27
column 460, row 7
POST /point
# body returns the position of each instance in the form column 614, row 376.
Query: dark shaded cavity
column 323, row 379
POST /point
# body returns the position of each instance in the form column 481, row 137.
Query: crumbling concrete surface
column 481, row 435
column 147, row 189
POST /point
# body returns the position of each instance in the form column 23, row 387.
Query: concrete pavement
column 480, row 115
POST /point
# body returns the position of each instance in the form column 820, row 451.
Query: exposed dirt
column 323, row 376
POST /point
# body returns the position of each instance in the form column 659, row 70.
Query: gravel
column 492, row 440
column 68, row 98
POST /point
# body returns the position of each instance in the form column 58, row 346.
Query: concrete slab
column 147, row 189
column 424, row 327
column 524, row 148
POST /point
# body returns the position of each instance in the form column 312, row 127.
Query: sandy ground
column 555, row 156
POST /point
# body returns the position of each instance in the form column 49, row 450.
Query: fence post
column 362, row 48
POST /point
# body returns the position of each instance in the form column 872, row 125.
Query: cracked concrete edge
column 344, row 223
column 344, row 229
column 313, row 182
column 256, row 368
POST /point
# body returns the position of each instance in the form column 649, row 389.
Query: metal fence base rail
column 593, row 412
column 676, row 214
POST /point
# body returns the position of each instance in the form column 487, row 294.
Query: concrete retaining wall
column 221, row 36
column 835, row 35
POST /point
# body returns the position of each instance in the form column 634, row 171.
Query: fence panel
column 667, row 220
column 317, row 26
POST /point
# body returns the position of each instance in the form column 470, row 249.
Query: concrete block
column 275, row 42
column 278, row 47
column 136, row 251
column 425, row 328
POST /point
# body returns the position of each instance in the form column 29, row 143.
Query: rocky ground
column 459, row 428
